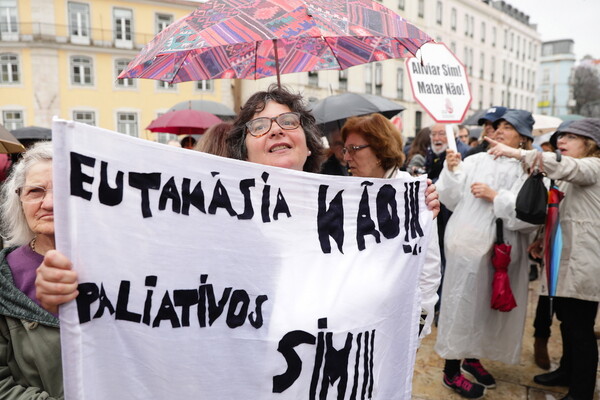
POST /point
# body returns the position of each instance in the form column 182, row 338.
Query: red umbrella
column 184, row 122
column 260, row 38
column 502, row 295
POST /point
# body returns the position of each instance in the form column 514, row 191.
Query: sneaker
column 464, row 387
column 475, row 369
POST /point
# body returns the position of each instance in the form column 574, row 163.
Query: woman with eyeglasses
column 373, row 149
column 30, row 360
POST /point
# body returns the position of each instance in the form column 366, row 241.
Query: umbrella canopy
column 243, row 39
column 184, row 122
column 474, row 119
column 502, row 295
column 32, row 133
column 218, row 109
column 553, row 238
column 9, row 143
column 342, row 106
column 545, row 123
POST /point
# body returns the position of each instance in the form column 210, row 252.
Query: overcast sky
column 572, row 19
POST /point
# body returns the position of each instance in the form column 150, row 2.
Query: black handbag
column 532, row 200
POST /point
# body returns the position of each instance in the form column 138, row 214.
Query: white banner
column 209, row 278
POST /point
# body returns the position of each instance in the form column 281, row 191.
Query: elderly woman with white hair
column 30, row 360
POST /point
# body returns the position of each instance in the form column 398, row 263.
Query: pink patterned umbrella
column 259, row 38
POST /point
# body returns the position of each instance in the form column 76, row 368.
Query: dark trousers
column 580, row 350
column 543, row 319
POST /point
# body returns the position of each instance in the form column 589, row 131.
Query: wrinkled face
column 362, row 162
column 439, row 140
column 571, row 145
column 463, row 135
column 488, row 130
column 279, row 147
column 507, row 134
column 40, row 214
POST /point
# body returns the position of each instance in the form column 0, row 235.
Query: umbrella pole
column 276, row 63
column 550, row 306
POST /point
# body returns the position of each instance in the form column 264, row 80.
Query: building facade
column 62, row 58
column 553, row 88
column 65, row 62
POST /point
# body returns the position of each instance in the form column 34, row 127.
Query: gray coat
column 30, row 358
column 579, row 179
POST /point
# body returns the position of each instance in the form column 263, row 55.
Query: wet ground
column 513, row 382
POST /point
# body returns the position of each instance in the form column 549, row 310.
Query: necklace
column 32, row 244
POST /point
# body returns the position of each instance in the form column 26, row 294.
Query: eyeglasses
column 352, row 149
column 32, row 194
column 261, row 126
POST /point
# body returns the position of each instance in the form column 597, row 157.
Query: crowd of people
column 477, row 187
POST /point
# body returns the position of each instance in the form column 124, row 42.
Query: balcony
column 61, row 34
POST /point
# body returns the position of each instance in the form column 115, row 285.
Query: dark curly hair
column 381, row 134
column 236, row 140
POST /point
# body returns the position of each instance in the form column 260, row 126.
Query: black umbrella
column 474, row 118
column 32, row 133
column 8, row 143
column 335, row 109
column 213, row 107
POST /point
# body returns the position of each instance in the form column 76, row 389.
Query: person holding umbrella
column 478, row 191
column 577, row 171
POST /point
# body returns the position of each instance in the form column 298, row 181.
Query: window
column 492, row 102
column 313, row 78
column 480, row 96
column 122, row 22
column 79, row 22
column 546, row 76
column 516, row 76
column 518, row 46
column 492, row 68
column 401, row 4
column 418, row 121
column 343, row 79
column 127, row 123
column 453, row 19
column 512, row 41
column 481, row 66
column 400, row 83
column 503, row 73
column 205, row 85
column 421, row 8
column 493, row 36
column 482, row 32
column 120, row 65
column 505, row 38
column 81, row 71
column 9, row 69
column 534, row 54
column 438, row 13
column 165, row 138
column 472, row 26
column 471, row 61
column 12, row 119
column 368, row 78
column 467, row 25
column 162, row 21
column 378, row 78
column 85, row 117
column 162, row 85
column 8, row 20
column 453, row 47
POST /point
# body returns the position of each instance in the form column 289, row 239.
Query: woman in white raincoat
column 478, row 191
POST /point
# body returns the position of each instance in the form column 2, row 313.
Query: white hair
column 14, row 225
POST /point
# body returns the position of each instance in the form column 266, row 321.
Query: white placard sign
column 439, row 83
column 210, row 278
